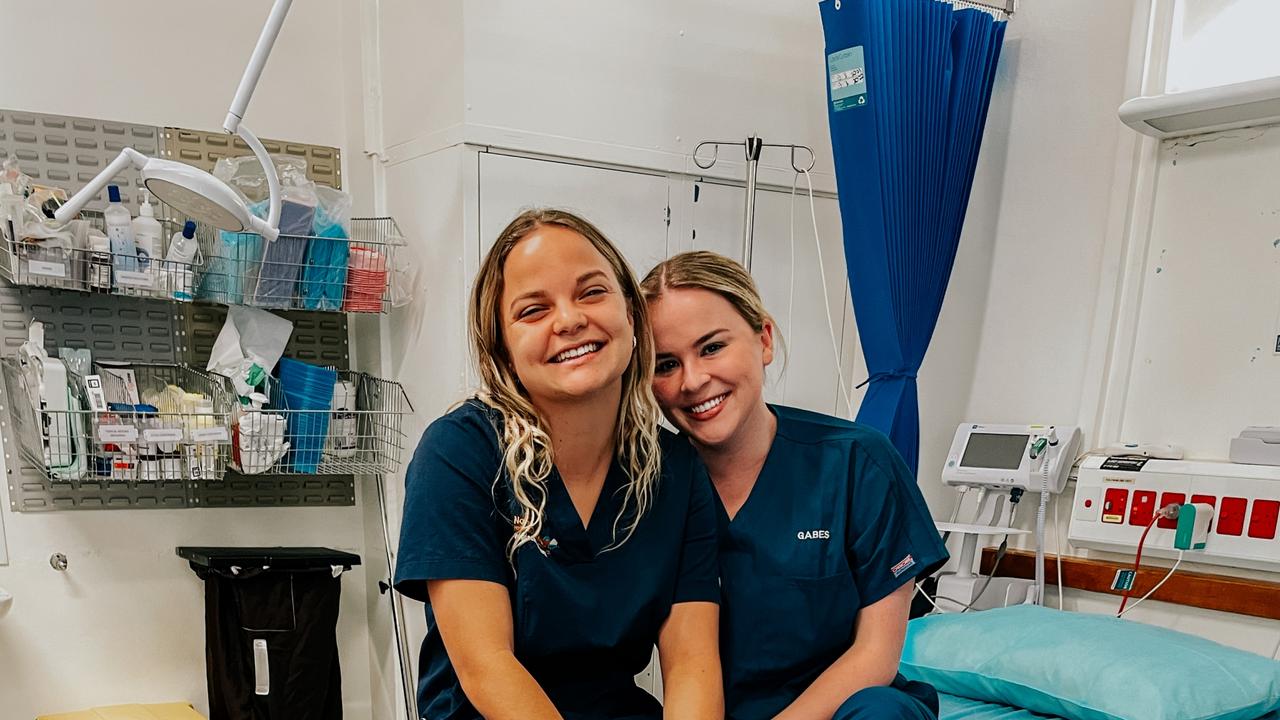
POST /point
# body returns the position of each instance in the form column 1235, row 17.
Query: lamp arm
column 257, row 61
column 127, row 157
column 273, row 180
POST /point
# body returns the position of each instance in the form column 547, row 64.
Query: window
column 1219, row 42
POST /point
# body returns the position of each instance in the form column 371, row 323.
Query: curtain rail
column 1007, row 7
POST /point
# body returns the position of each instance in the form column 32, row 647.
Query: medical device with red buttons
column 1118, row 497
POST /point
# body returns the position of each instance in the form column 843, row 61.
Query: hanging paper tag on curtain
column 848, row 75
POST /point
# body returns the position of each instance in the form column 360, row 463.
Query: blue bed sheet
column 958, row 708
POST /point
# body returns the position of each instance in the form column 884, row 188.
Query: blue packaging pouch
column 324, row 277
column 325, row 273
column 228, row 270
column 283, row 258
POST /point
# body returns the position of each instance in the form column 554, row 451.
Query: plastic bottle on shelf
column 124, row 251
column 179, row 279
column 148, row 237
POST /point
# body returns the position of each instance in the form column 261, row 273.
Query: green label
column 848, row 75
column 1124, row 580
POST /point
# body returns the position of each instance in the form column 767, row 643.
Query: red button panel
column 1144, row 507
column 1231, row 516
column 1167, row 499
column 1113, row 505
column 1212, row 502
column 1262, row 523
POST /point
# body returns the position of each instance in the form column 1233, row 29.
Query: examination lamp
column 195, row 192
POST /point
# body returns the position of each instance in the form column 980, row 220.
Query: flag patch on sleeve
column 903, row 565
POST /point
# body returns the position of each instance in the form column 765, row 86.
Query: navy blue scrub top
column 585, row 620
column 834, row 523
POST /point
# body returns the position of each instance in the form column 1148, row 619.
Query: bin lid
column 274, row 558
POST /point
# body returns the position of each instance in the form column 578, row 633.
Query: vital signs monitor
column 1008, row 456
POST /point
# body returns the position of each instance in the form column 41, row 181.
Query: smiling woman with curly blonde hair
column 556, row 533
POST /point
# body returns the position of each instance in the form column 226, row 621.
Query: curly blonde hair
column 527, row 450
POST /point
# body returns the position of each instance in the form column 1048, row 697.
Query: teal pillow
column 1088, row 667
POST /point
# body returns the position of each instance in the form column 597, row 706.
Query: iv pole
column 752, row 147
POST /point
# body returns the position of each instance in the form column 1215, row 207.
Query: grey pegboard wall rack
column 68, row 152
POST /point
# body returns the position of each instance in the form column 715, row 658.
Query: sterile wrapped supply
column 259, row 438
column 249, row 346
column 77, row 360
column 282, row 258
column 46, row 255
column 406, row 280
column 12, row 175
column 119, row 382
column 168, row 399
column 366, row 280
column 304, row 389
column 244, row 174
column 325, row 273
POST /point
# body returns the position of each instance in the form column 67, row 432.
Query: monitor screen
column 994, row 450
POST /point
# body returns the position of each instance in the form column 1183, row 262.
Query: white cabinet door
column 807, row 374
column 630, row 208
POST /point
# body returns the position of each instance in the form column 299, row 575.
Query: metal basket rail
column 296, row 272
column 63, row 265
column 366, row 438
column 127, row 445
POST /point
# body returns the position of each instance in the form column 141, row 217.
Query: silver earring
column 633, row 342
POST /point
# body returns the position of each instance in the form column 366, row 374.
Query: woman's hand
column 474, row 620
column 871, row 661
column 689, row 652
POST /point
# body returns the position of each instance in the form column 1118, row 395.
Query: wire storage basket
column 181, row 433
column 334, row 273
column 347, row 423
column 296, row 272
column 67, row 261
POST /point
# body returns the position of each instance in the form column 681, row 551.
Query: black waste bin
column 271, row 616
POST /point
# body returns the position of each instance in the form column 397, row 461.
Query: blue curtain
column 909, row 86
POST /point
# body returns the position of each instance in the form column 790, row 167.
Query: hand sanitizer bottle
column 148, row 236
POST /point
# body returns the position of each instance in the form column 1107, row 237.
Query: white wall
column 176, row 63
column 1054, row 193
column 1153, row 267
column 658, row 76
column 1205, row 361
column 125, row 622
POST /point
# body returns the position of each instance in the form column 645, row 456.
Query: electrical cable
column 1152, row 591
column 955, row 511
column 966, row 607
column 826, row 305
column 1015, row 495
column 1137, row 561
column 1057, row 546
column 1040, row 516
column 791, row 286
